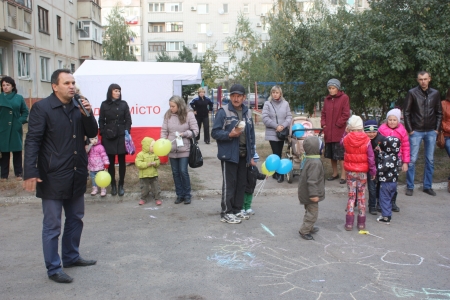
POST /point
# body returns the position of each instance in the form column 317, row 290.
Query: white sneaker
column 250, row 211
column 94, row 191
column 230, row 219
column 242, row 216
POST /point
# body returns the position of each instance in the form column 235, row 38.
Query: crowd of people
column 57, row 158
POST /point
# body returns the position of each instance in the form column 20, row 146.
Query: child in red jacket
column 358, row 161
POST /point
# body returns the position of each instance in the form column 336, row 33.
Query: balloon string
column 261, row 187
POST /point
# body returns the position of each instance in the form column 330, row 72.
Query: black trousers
column 277, row 148
column 233, row 186
column 205, row 122
column 112, row 169
column 17, row 163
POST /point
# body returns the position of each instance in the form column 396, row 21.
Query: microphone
column 77, row 98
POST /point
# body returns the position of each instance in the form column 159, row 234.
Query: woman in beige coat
column 179, row 122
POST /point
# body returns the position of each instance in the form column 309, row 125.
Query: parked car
column 225, row 99
column 250, row 101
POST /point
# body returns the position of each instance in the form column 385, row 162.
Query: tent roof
column 178, row 71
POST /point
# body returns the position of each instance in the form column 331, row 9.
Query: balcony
column 16, row 20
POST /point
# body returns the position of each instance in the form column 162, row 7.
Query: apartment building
column 38, row 37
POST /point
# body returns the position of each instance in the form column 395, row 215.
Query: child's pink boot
column 349, row 220
column 361, row 222
column 94, row 191
column 103, row 192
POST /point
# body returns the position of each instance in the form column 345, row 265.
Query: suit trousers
column 233, row 186
column 205, row 122
column 17, row 163
column 51, row 230
column 310, row 218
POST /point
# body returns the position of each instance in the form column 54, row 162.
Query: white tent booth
column 146, row 86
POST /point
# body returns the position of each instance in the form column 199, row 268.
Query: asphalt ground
column 185, row 252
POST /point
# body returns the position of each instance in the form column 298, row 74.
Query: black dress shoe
column 121, row 190
column 275, row 176
column 429, row 192
column 342, row 181
column 179, row 200
column 82, row 263
column 61, row 277
column 373, row 211
column 187, row 201
column 207, row 142
column 333, row 178
column 315, row 229
column 307, row 236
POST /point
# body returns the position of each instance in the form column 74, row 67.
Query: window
column 174, row 46
column 225, row 28
column 43, row 19
column 202, row 47
column 203, row 27
column 359, row 3
column 12, row 16
column 27, row 22
column 174, row 7
column 1, row 61
column 156, row 46
column 58, row 27
column 45, row 72
column 26, row 3
column 23, row 64
column 60, row 64
column 225, row 8
column 225, row 46
column 86, row 29
column 267, row 8
column 71, row 31
column 202, row 8
column 72, row 68
column 156, row 27
column 246, row 9
column 226, row 65
column 156, row 7
column 174, row 26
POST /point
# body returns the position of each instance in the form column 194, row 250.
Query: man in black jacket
column 422, row 116
column 55, row 165
column 202, row 105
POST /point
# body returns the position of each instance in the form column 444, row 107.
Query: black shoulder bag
column 283, row 134
column 195, row 155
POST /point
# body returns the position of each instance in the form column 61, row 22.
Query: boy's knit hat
column 394, row 112
column 355, row 123
column 370, row 125
column 334, row 82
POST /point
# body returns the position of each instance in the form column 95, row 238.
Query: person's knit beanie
column 395, row 112
column 355, row 123
column 334, row 82
column 370, row 125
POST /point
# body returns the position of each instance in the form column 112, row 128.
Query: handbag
column 195, row 155
column 283, row 134
column 129, row 144
column 440, row 140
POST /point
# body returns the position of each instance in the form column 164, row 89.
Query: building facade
column 38, row 37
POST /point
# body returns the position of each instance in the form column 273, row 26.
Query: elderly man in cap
column 335, row 113
column 234, row 133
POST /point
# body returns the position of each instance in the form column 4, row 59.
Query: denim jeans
column 181, row 177
column 447, row 145
column 415, row 139
column 372, row 187
column 387, row 191
column 92, row 175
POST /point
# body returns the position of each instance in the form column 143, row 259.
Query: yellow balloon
column 265, row 171
column 162, row 147
column 102, row 179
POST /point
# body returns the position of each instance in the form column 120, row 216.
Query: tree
column 118, row 35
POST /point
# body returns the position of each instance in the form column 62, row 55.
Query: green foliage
column 118, row 35
column 375, row 54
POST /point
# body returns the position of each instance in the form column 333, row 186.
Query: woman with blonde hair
column 201, row 106
column 180, row 123
column 276, row 116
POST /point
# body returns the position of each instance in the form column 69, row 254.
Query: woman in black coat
column 114, row 119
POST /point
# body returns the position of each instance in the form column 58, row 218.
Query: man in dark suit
column 55, row 165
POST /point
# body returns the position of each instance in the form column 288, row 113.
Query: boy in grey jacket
column 311, row 186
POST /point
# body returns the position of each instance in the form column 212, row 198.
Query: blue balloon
column 296, row 132
column 272, row 162
column 285, row 166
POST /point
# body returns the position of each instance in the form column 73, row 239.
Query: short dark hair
column 423, row 73
column 10, row 81
column 113, row 86
column 55, row 76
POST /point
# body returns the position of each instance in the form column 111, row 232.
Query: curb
column 197, row 194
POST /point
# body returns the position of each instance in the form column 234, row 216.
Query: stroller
column 295, row 149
